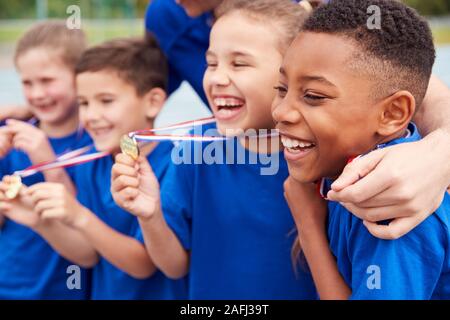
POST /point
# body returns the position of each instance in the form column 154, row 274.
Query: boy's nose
column 285, row 112
column 91, row 113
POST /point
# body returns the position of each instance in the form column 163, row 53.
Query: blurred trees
column 431, row 7
column 95, row 9
column 28, row 9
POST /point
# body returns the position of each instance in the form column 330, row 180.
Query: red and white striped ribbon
column 78, row 156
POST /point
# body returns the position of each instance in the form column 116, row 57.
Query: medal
column 14, row 187
column 129, row 147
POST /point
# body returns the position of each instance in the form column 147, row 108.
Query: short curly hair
column 398, row 56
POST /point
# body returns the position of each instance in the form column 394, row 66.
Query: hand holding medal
column 129, row 146
column 14, row 183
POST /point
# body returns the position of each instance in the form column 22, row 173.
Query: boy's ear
column 397, row 111
column 154, row 101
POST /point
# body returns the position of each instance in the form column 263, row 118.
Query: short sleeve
column 406, row 268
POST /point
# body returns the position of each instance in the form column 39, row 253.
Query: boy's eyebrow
column 318, row 79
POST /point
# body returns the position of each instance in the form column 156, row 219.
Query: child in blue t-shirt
column 332, row 108
column 221, row 215
column 45, row 59
column 116, row 94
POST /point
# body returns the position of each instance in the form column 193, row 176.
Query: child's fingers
column 145, row 169
column 17, row 125
column 5, row 148
column 124, row 197
column 44, row 205
column 129, row 193
column 55, row 213
column 122, row 182
column 5, row 207
column 124, row 159
column 7, row 131
column 7, row 179
column 4, row 186
column 21, row 142
column 39, row 192
column 119, row 169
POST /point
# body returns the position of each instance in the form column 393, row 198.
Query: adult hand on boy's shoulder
column 406, row 182
column 307, row 206
column 134, row 186
column 31, row 140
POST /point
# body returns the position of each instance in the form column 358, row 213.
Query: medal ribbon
column 78, row 156
column 149, row 134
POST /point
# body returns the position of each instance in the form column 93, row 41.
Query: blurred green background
column 105, row 19
column 27, row 9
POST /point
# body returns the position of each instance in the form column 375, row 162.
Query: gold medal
column 14, row 187
column 129, row 147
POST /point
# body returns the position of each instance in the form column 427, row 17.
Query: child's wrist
column 151, row 217
column 82, row 219
column 311, row 229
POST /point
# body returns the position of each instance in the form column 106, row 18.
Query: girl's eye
column 281, row 91
column 82, row 103
column 211, row 64
column 238, row 64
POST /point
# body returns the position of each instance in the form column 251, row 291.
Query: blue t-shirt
column 416, row 266
column 183, row 39
column 93, row 181
column 29, row 267
column 234, row 221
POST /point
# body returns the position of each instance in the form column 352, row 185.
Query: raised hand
column 134, row 186
column 31, row 140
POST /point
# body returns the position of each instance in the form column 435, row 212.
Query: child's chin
column 102, row 146
column 299, row 175
column 229, row 131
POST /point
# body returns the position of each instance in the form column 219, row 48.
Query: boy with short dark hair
column 332, row 108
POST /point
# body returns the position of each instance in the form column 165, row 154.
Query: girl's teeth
column 230, row 102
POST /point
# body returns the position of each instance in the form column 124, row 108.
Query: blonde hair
column 53, row 35
column 284, row 13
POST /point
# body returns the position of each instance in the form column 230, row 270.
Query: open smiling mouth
column 227, row 108
column 46, row 107
column 296, row 146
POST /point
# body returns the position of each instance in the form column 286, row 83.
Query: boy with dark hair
column 331, row 108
